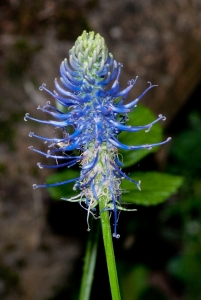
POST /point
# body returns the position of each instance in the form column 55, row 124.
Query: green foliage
column 186, row 146
column 155, row 188
column 141, row 137
column 135, row 280
column 135, row 283
column 186, row 231
column 65, row 190
column 186, row 268
column 186, row 265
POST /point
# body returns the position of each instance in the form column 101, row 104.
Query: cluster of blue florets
column 91, row 118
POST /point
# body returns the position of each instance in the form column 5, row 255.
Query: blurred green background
column 42, row 241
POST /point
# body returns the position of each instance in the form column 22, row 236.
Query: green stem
column 109, row 252
column 89, row 261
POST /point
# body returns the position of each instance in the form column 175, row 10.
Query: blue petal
column 91, row 164
column 67, row 68
column 54, row 156
column 53, row 140
column 70, row 77
column 69, row 163
column 35, row 186
column 119, row 109
column 65, row 148
column 66, row 93
column 116, row 143
column 134, row 102
column 130, row 128
column 84, row 185
column 94, row 190
column 69, row 85
column 124, row 175
column 54, row 123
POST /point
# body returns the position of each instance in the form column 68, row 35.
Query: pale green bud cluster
column 90, row 51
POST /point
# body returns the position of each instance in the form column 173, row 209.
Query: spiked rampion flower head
column 96, row 114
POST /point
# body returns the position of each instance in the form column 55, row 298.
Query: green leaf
column 186, row 149
column 155, row 188
column 186, row 267
column 65, row 190
column 141, row 116
column 135, row 280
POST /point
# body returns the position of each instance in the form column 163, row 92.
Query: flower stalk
column 109, row 251
column 89, row 261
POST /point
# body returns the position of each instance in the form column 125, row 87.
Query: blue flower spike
column 92, row 108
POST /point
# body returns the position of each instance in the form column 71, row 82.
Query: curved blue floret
column 91, row 118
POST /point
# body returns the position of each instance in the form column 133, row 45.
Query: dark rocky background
column 160, row 41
